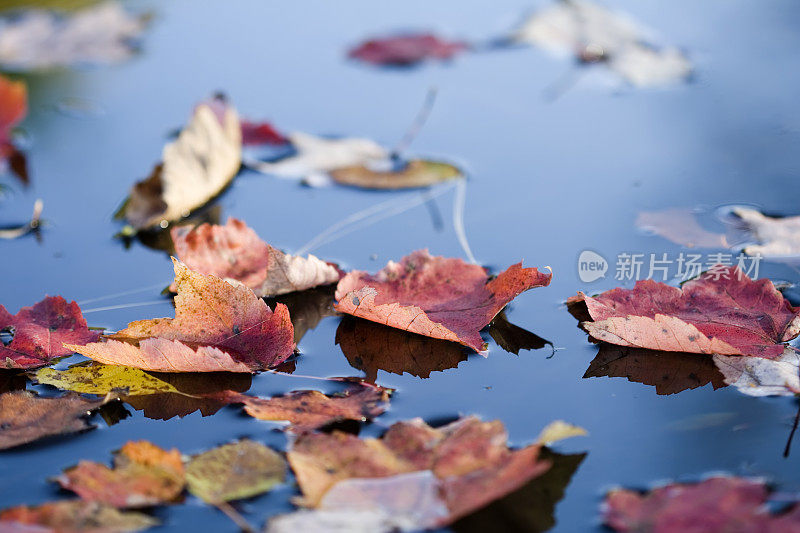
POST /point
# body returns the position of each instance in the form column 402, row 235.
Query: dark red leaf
column 404, row 50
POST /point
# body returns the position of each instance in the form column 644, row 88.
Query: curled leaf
column 234, row 471
column 195, row 168
column 235, row 252
column 415, row 173
column 218, row 327
column 143, row 475
column 435, row 296
column 39, row 332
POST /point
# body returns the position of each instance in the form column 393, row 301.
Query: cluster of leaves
column 589, row 32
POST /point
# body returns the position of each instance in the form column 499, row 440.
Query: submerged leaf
column 594, row 34
column 24, row 417
column 217, row 327
column 143, row 475
column 39, row 332
column 681, row 227
column 406, row 49
column 415, row 173
column 419, row 476
column 235, row 252
column 668, row 372
column 721, row 312
column 716, row 504
column 195, row 168
column 307, row 410
column 370, row 347
column 39, row 39
column 73, row 516
column 234, row 471
column 435, row 296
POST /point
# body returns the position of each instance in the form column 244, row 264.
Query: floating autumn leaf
column 531, row 508
column 668, row 372
column 756, row 376
column 307, row 308
column 195, row 168
column 681, row 226
column 217, row 327
column 513, row 338
column 39, row 332
column 13, row 108
column 421, row 477
column 721, row 312
column 143, row 475
column 716, row 504
column 75, row 515
column 406, row 49
column 235, row 252
column 371, row 347
column 412, row 174
column 254, row 133
column 307, row 410
column 776, row 237
column 594, row 34
column 435, row 296
column 39, row 39
column 316, row 156
column 234, row 471
column 24, row 417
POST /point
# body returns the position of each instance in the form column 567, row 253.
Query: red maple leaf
column 40, row 331
column 437, row 297
column 405, row 50
column 254, row 133
column 725, row 313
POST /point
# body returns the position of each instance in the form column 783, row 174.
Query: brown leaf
column 24, row 417
column 716, row 504
column 307, row 410
column 722, row 312
column 668, row 372
column 428, row 476
column 72, row 516
column 370, row 347
column 196, row 167
column 416, row 173
column 435, row 296
column 143, row 475
column 217, row 327
column 235, row 252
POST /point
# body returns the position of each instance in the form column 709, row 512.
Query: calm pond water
column 547, row 181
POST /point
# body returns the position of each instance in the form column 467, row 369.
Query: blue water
column 546, row 181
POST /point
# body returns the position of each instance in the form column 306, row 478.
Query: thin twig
column 123, row 306
column 234, row 515
column 416, row 126
column 459, row 200
column 791, row 433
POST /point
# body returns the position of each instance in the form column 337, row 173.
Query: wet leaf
column 415, row 173
column 235, row 252
column 234, row 471
column 680, row 225
column 513, row 338
column 716, row 504
column 559, row 430
column 69, row 516
column 316, row 156
column 723, row 311
column 419, row 476
column 594, row 34
column 195, row 168
column 217, row 327
column 24, row 417
column 435, row 296
column 756, row 376
column 143, row 475
column 307, row 410
column 776, row 237
column 39, row 39
column 39, row 332
column 668, row 372
column 371, row 347
column 531, row 508
column 255, row 133
column 406, row 49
